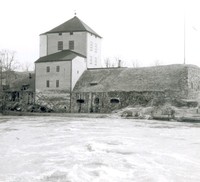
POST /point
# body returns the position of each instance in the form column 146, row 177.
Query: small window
column 48, row 69
column 90, row 59
column 71, row 45
column 47, row 84
column 57, row 83
column 71, row 33
column 57, row 68
column 60, row 33
column 60, row 45
column 95, row 61
column 81, row 101
column 114, row 101
column 95, row 48
column 91, row 46
column 93, row 83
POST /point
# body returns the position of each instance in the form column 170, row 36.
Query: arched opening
column 114, row 101
column 81, row 101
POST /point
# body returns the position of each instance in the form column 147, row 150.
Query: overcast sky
column 142, row 31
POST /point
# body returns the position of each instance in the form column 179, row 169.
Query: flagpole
column 184, row 59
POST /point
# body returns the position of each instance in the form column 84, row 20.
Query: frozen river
column 60, row 149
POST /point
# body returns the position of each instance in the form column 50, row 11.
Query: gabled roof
column 65, row 55
column 158, row 78
column 73, row 25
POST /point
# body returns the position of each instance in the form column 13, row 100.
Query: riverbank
column 77, row 115
column 148, row 113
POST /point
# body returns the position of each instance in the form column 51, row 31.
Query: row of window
column 70, row 33
column 95, row 47
column 96, row 101
column 48, row 69
column 91, row 60
column 48, row 83
column 71, row 45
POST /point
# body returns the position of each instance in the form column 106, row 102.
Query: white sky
column 142, row 31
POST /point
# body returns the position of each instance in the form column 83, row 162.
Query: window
column 57, row 83
column 60, row 45
column 48, row 69
column 81, row 101
column 91, row 46
column 114, row 101
column 47, row 84
column 95, row 48
column 71, row 45
column 71, row 33
column 60, row 33
column 93, row 83
column 95, row 61
column 57, row 68
column 90, row 59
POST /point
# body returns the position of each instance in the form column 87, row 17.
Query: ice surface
column 60, row 149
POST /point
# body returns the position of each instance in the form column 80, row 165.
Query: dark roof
column 73, row 25
column 158, row 78
column 65, row 55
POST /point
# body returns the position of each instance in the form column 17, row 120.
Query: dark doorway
column 96, row 105
column 80, row 102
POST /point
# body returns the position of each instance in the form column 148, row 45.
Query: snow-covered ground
column 60, row 149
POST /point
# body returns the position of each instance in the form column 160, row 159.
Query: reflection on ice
column 38, row 149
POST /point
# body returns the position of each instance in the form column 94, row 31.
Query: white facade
column 84, row 43
column 93, row 51
column 61, row 75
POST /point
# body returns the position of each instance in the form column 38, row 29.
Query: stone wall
column 105, row 102
column 58, row 101
column 193, row 85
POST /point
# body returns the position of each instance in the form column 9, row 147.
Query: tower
column 74, row 35
column 66, row 51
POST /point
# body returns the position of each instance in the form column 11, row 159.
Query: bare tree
column 27, row 67
column 107, row 62
column 135, row 63
column 157, row 62
column 8, row 63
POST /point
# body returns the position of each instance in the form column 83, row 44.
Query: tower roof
column 73, row 25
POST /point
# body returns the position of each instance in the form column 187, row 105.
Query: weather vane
column 74, row 12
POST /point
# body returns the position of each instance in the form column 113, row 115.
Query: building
column 73, row 35
column 66, row 52
column 105, row 90
column 69, row 76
